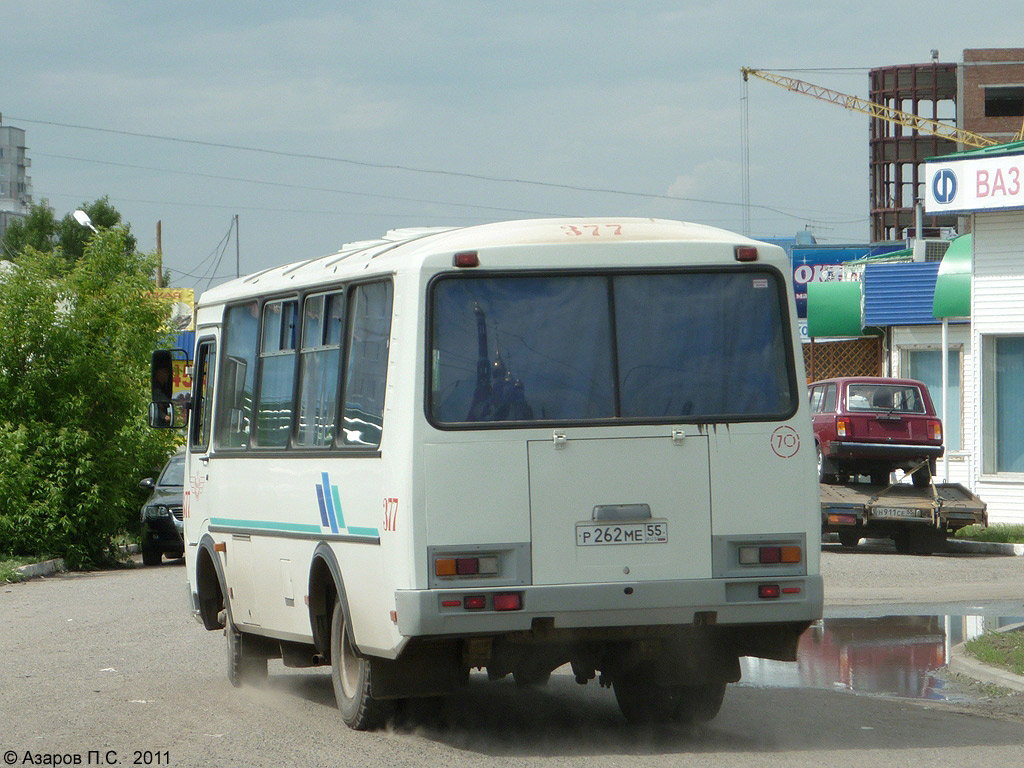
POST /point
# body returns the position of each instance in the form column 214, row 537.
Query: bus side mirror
column 162, row 415
column 165, row 410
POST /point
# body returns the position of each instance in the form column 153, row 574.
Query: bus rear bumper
column 443, row 612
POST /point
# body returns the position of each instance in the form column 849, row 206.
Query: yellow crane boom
column 879, row 111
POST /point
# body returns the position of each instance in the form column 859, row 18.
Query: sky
column 322, row 123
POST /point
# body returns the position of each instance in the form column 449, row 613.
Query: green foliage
column 66, row 239
column 1001, row 533
column 999, row 649
column 74, row 386
column 37, row 230
column 9, row 568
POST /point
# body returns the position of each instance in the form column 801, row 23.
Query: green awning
column 834, row 309
column 953, row 284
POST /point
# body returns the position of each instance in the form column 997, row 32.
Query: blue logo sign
column 944, row 186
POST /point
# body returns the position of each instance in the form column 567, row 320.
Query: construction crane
column 870, row 108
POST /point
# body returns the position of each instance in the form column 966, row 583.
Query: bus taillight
column 466, row 566
column 745, row 253
column 466, row 259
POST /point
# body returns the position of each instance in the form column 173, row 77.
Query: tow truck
column 918, row 518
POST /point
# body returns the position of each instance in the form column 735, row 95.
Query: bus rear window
column 686, row 346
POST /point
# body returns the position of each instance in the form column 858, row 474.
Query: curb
column 50, row 567
column 45, row 568
column 963, row 546
column 984, row 547
column 963, row 663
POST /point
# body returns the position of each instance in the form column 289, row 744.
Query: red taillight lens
column 746, row 253
column 768, row 591
column 467, row 566
column 935, row 430
column 843, row 428
column 511, row 602
column 474, row 602
column 466, row 259
column 770, row 555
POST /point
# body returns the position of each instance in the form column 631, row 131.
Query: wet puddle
column 902, row 656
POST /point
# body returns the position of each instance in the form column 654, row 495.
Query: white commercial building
column 987, row 185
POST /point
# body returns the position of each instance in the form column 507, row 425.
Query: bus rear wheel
column 243, row 667
column 701, row 702
column 350, row 675
column 643, row 701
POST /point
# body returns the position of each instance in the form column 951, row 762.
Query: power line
column 263, row 209
column 406, row 168
column 293, row 186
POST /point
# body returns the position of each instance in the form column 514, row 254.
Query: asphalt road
column 110, row 667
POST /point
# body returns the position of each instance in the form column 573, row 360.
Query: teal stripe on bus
column 269, row 525
column 265, row 525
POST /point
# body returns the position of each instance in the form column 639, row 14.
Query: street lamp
column 83, row 218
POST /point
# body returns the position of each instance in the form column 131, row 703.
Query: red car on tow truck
column 868, row 427
column 873, row 425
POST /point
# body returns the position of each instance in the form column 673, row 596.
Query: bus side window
column 277, row 373
column 235, row 395
column 202, row 397
column 320, row 363
column 366, row 359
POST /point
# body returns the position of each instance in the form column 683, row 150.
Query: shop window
column 925, row 365
column 1002, row 416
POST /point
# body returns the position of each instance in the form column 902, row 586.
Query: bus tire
column 350, row 675
column 700, row 703
column 242, row 667
column 643, row 701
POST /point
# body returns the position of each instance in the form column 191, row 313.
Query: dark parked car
column 872, row 426
column 161, row 514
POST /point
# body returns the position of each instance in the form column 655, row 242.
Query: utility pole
column 238, row 272
column 159, row 258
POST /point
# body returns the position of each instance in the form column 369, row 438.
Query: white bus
column 508, row 447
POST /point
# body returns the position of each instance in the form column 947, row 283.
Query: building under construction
column 983, row 94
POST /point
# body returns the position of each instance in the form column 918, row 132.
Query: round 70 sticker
column 785, row 442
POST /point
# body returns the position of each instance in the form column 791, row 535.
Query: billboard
column 182, row 312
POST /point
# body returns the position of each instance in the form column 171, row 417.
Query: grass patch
column 9, row 567
column 999, row 649
column 1002, row 533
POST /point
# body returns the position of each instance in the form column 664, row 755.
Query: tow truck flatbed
column 917, row 519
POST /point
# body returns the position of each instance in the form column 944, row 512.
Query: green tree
column 74, row 387
column 41, row 230
column 37, row 230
